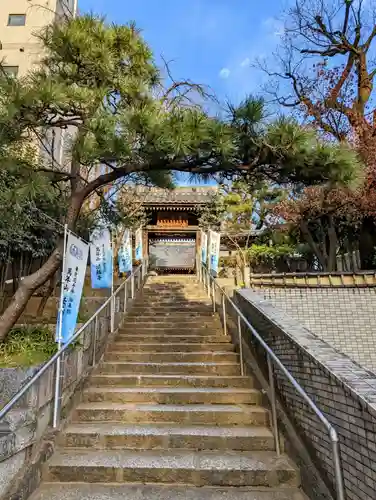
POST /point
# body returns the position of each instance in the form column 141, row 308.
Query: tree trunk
column 367, row 244
column 32, row 282
column 312, row 244
column 333, row 245
column 47, row 293
column 26, row 290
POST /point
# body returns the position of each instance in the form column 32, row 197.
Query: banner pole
column 59, row 335
column 112, row 284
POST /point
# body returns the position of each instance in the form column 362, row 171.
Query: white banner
column 125, row 253
column 215, row 242
column 204, row 248
column 138, row 244
column 73, row 279
column 101, row 258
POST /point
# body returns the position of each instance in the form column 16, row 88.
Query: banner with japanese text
column 101, row 258
column 125, row 253
column 138, row 244
column 204, row 248
column 215, row 242
column 73, row 279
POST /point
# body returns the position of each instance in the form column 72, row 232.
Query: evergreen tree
column 99, row 86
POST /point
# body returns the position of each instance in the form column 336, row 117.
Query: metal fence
column 85, row 349
column 223, row 304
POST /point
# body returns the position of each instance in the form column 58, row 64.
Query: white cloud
column 246, row 62
column 224, row 73
column 274, row 27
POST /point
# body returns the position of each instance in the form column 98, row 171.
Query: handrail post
column 240, row 346
column 95, row 340
column 125, row 298
column 132, row 286
column 224, row 314
column 213, row 295
column 208, row 282
column 338, row 473
column 272, row 398
column 55, row 421
column 112, row 313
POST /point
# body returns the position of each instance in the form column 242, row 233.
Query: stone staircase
column 167, row 414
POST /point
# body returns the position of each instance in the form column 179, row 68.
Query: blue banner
column 125, row 253
column 138, row 243
column 101, row 259
column 72, row 284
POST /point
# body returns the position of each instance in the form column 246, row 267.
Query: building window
column 10, row 70
column 17, row 20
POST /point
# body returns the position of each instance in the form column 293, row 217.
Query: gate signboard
column 172, row 253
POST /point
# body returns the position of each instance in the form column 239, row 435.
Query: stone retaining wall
column 344, row 391
column 25, row 431
column 343, row 317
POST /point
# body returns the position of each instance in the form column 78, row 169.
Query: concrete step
column 173, row 315
column 172, row 357
column 176, row 414
column 113, row 436
column 174, row 337
column 132, row 380
column 199, row 468
column 169, row 347
column 178, row 307
column 170, row 368
column 172, row 395
column 164, row 322
column 100, row 491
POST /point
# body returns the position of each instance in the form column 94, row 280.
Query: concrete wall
column 343, row 317
column 343, row 391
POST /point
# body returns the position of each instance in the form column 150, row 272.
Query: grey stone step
column 171, row 315
column 170, row 368
column 162, row 336
column 169, row 347
column 98, row 491
column 173, row 305
column 187, row 323
column 132, row 380
column 112, row 436
column 173, row 338
column 172, row 357
column 199, row 468
column 177, row 414
column 172, row 395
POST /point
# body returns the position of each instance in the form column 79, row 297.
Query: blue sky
column 212, row 42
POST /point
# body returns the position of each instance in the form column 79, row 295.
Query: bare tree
column 325, row 67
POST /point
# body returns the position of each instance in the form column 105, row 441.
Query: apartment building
column 20, row 21
column 21, row 50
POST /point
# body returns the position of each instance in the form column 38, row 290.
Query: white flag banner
column 215, row 242
column 138, row 244
column 125, row 253
column 101, row 258
column 204, row 248
column 73, row 279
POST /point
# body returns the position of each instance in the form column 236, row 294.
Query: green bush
column 265, row 254
column 27, row 346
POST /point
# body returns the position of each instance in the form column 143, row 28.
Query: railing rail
column 117, row 302
column 211, row 284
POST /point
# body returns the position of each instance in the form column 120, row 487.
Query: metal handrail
column 61, row 351
column 272, row 359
